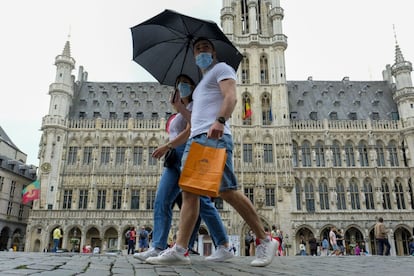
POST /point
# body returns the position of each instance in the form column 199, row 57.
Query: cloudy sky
column 327, row 39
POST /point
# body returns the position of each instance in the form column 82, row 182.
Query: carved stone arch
column 138, row 141
column 153, row 142
column 106, row 141
column 121, row 141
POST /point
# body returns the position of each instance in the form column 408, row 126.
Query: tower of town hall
column 309, row 154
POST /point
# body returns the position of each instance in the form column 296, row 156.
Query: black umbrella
column 163, row 45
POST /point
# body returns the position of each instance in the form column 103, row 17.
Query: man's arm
column 228, row 90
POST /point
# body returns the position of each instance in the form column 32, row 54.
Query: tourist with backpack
column 143, row 241
column 130, row 236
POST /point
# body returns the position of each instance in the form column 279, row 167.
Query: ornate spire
column 398, row 54
column 66, row 50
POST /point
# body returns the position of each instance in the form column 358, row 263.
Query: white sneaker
column 221, row 254
column 152, row 252
column 170, row 256
column 265, row 252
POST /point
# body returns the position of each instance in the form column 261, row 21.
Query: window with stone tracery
column 266, row 110
column 137, row 155
column 320, row 154
column 379, row 149
column 245, row 72
column 399, row 194
column 72, row 154
column 116, row 199
column 369, row 195
column 270, row 196
column 249, row 193
column 246, row 110
column 386, row 195
column 392, row 150
column 298, row 192
column 363, row 154
column 323, row 194
column 295, row 157
column 120, row 155
column 340, row 195
column 309, row 196
column 135, row 199
column 101, row 200
column 336, row 154
column 248, row 153
column 268, row 153
column 349, row 154
column 87, row 155
column 83, row 199
column 306, row 154
column 411, row 193
column 150, row 199
column 67, row 199
column 354, row 192
column 264, row 70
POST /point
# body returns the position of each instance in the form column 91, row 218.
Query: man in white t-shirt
column 214, row 100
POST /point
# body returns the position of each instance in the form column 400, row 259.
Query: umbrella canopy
column 163, row 45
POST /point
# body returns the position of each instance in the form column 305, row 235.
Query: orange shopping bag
column 203, row 170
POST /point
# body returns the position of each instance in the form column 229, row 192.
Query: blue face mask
column 204, row 60
column 184, row 88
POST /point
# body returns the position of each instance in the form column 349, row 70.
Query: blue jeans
column 55, row 245
column 167, row 192
column 381, row 243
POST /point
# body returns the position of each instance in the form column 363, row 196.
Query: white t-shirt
column 178, row 124
column 207, row 99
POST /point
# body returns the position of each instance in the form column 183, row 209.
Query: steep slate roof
column 368, row 99
column 5, row 138
column 145, row 100
column 150, row 100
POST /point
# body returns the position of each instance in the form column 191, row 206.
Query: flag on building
column 31, row 192
column 247, row 112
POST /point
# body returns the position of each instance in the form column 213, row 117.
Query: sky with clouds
column 327, row 39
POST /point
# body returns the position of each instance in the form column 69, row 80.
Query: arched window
column 399, row 193
column 248, row 153
column 306, row 154
column 363, row 154
column 246, row 110
column 245, row 78
column 349, row 154
column 340, row 195
column 264, row 70
column 411, row 192
column 379, row 148
column 309, row 196
column 354, row 191
column 298, row 191
column 392, row 149
column 266, row 110
column 295, row 156
column 323, row 194
column 244, row 16
column 320, row 154
column 369, row 195
column 336, row 154
column 386, row 196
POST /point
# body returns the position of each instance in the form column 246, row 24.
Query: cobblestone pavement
column 22, row 263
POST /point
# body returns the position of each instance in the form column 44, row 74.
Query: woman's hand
column 160, row 151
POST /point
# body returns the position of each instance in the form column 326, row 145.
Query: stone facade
column 313, row 154
column 15, row 175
